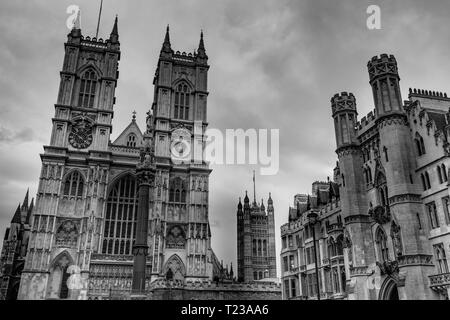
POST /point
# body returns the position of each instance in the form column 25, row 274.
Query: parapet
column 366, row 121
column 343, row 101
column 427, row 93
column 382, row 65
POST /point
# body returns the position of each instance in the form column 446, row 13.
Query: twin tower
column 395, row 193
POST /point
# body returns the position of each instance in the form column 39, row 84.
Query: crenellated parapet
column 343, row 102
column 382, row 66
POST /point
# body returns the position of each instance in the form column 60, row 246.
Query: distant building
column 386, row 233
column 256, row 240
column 14, row 250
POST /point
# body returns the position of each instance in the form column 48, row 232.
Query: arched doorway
column 389, row 291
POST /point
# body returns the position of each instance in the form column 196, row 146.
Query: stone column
column 145, row 171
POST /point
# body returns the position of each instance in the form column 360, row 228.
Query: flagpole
column 99, row 17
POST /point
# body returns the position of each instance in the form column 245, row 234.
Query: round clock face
column 80, row 136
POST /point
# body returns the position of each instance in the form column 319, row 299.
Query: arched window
column 331, row 248
column 254, row 247
column 64, row 291
column 427, row 179
column 131, row 140
column 385, row 151
column 255, row 275
column 424, row 183
column 88, row 86
column 264, row 248
column 73, row 186
column 177, row 191
column 420, row 146
column 260, row 275
column 441, row 258
column 444, row 172
column 439, row 174
column 121, row 217
column 181, row 110
column 381, row 241
column 339, row 248
column 259, row 248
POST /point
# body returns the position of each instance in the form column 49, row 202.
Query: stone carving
column 388, row 267
column 176, row 238
column 396, row 239
column 67, row 234
column 380, row 214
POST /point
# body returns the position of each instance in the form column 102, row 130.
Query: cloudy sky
column 274, row 64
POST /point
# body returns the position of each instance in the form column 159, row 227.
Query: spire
column 30, row 211
column 239, row 204
column 231, row 270
column 17, row 216
column 25, row 201
column 114, row 37
column 201, row 45
column 270, row 201
column 263, row 208
column 167, row 48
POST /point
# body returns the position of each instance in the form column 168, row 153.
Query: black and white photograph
column 239, row 152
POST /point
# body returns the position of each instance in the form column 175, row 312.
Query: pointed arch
column 82, row 70
column 58, row 277
column 175, row 266
column 381, row 242
column 73, row 185
column 182, row 100
column 120, row 215
column 388, row 290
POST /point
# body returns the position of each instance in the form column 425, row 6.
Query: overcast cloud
column 274, row 64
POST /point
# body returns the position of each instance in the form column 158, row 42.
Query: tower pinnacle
column 167, row 48
column 114, row 37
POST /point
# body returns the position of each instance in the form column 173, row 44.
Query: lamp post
column 312, row 216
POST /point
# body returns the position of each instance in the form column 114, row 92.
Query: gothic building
column 385, row 233
column 85, row 241
column 14, row 250
column 256, row 240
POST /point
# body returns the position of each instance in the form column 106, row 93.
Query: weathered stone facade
column 84, row 232
column 389, row 222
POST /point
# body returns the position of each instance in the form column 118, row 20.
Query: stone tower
column 352, row 188
column 402, row 202
column 14, row 250
column 179, row 224
column 67, row 220
column 256, row 240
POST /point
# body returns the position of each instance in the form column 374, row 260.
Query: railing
column 440, row 280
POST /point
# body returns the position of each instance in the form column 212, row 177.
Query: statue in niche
column 396, row 239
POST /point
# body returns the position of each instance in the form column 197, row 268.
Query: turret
column 384, row 79
column 344, row 114
column 201, row 52
column 246, row 201
column 114, row 37
column 166, row 50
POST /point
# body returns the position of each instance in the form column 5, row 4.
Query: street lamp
column 312, row 217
